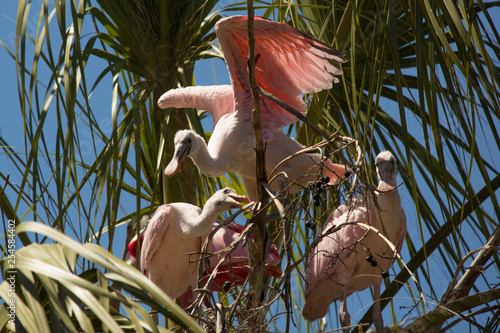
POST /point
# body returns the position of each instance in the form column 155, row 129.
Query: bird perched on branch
column 289, row 63
column 177, row 230
column 354, row 258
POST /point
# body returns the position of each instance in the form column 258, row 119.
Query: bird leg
column 376, row 313
column 345, row 318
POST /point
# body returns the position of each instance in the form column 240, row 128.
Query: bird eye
column 186, row 141
column 227, row 191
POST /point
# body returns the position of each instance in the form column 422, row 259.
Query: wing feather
column 157, row 227
column 331, row 255
column 289, row 64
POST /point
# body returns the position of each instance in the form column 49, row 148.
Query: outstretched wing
column 289, row 63
column 217, row 100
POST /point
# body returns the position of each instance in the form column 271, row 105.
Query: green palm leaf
column 81, row 302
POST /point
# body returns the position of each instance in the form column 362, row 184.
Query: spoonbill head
column 187, row 143
column 183, row 144
column 226, row 199
column 387, row 168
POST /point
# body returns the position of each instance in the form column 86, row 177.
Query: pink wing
column 235, row 270
column 225, row 236
column 222, row 239
column 331, row 255
column 217, row 100
column 153, row 235
column 289, row 64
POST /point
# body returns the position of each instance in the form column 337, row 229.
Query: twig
column 468, row 279
column 219, row 328
column 238, row 299
column 287, row 241
column 313, row 148
column 258, row 249
column 463, row 286
column 278, row 204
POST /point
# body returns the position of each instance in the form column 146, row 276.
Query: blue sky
column 206, row 73
column 8, row 92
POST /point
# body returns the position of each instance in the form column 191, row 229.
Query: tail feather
column 313, row 311
column 237, row 274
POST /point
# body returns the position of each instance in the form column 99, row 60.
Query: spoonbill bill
column 353, row 259
column 179, row 229
column 289, row 64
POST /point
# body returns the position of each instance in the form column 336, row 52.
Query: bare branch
column 258, row 249
column 459, row 292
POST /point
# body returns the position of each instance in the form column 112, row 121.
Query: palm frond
column 76, row 302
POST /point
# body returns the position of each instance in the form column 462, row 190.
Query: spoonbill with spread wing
column 289, row 64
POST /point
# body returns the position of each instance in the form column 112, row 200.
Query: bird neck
column 209, row 165
column 202, row 224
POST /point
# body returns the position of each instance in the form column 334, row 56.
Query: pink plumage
column 289, row 64
column 353, row 259
column 234, row 268
column 177, row 229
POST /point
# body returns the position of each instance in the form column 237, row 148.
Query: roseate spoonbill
column 353, row 259
column 177, row 229
column 289, row 64
column 234, row 268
